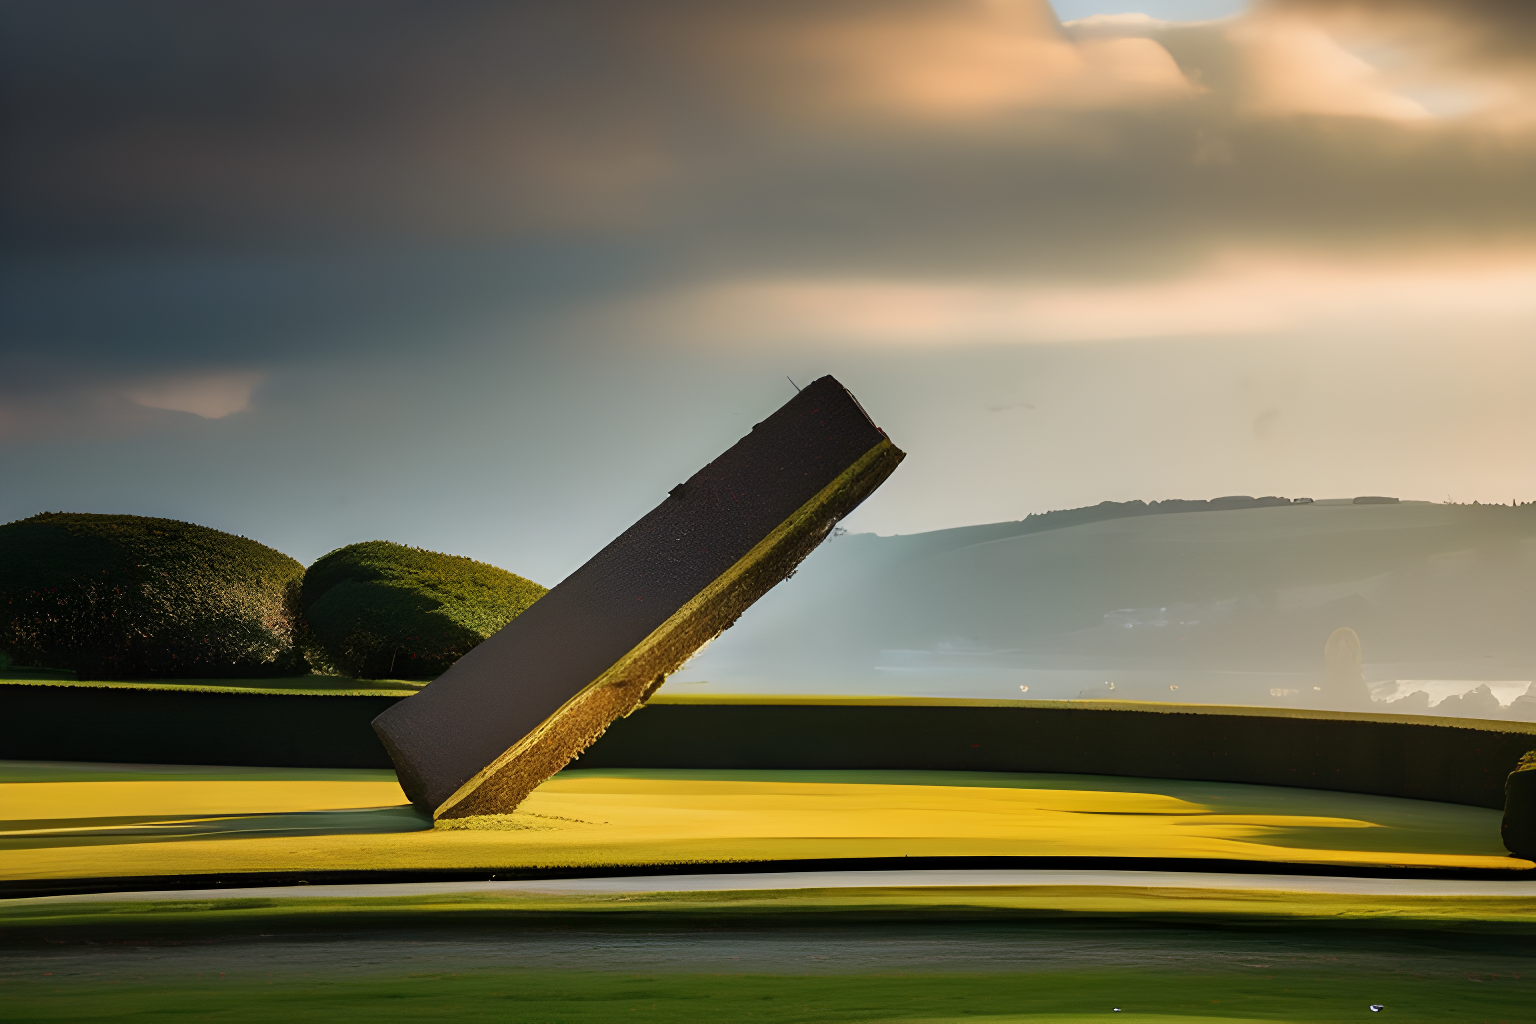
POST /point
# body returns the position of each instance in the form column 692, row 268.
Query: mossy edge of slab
column 628, row 683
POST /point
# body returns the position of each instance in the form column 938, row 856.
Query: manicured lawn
column 602, row 998
column 200, row 917
column 99, row 821
column 999, row 953
column 875, row 973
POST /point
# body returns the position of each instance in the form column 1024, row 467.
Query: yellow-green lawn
column 75, row 821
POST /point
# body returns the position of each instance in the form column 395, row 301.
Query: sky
column 490, row 278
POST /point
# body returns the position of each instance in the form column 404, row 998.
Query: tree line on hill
column 132, row 597
column 1122, row 509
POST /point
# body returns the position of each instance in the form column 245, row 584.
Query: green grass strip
column 1312, row 994
column 198, row 919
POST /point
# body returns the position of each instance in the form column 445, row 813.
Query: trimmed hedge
column 386, row 611
column 122, row 597
column 1458, row 761
column 1462, row 762
column 75, row 722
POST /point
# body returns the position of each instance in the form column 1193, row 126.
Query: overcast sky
column 490, row 278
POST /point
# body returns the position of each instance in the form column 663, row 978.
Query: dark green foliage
column 385, row 611
column 1124, row 509
column 124, row 597
column 1519, row 826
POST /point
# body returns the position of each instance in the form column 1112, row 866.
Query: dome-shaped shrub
column 385, row 611
column 123, row 597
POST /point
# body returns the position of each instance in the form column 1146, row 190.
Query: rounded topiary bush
column 385, row 611
column 125, row 597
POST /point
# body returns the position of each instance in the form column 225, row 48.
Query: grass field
column 1318, row 997
column 81, row 820
column 912, row 953
column 792, row 958
column 205, row 918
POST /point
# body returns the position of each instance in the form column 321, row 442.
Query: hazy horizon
column 1208, row 607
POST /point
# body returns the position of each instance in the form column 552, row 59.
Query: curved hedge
column 121, row 597
column 386, row 611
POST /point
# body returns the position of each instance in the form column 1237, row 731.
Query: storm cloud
column 934, row 135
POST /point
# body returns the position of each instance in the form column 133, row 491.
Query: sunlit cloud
column 211, row 396
column 1236, row 295
column 970, row 58
column 1471, row 59
column 1297, row 68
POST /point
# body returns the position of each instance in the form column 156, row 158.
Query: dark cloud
column 757, row 130
column 226, row 185
column 156, row 120
column 73, row 318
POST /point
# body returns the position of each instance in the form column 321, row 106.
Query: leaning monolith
column 517, row 708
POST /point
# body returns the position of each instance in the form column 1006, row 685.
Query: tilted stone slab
column 521, row 705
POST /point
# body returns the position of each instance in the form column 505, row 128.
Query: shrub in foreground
column 386, row 611
column 125, row 597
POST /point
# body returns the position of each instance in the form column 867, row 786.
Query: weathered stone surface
column 517, row 708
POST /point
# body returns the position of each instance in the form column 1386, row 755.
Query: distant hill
column 1035, row 522
column 1230, row 601
column 1124, row 509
